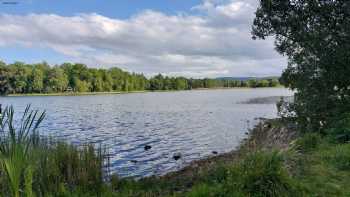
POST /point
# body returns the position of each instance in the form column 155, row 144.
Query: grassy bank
column 275, row 160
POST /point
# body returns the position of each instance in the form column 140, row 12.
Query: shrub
column 338, row 156
column 309, row 142
column 202, row 190
column 261, row 174
column 340, row 129
column 211, row 190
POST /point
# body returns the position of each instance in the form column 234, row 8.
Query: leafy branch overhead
column 315, row 36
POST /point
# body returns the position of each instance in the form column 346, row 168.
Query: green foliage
column 81, row 86
column 56, row 80
column 61, row 164
column 15, row 145
column 340, row 128
column 5, row 76
column 21, row 78
column 309, row 142
column 261, row 174
column 314, row 35
column 338, row 156
column 324, row 170
column 205, row 190
column 41, row 78
column 28, row 182
column 31, row 166
column 257, row 174
column 36, row 82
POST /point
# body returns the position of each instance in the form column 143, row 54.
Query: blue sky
column 111, row 8
column 196, row 38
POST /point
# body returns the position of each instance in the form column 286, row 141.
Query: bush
column 338, row 156
column 261, row 174
column 309, row 142
column 340, row 129
column 204, row 190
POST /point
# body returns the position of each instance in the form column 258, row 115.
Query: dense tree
column 5, row 75
column 20, row 73
column 80, row 85
column 315, row 35
column 117, row 78
column 157, row 83
column 36, row 80
column 56, row 81
column 180, row 83
column 96, row 81
column 41, row 78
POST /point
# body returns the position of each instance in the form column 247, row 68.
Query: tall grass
column 32, row 166
column 261, row 174
column 258, row 174
column 308, row 142
column 16, row 144
column 338, row 156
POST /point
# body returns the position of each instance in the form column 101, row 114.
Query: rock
column 147, row 147
column 177, row 156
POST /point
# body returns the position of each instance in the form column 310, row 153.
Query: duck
column 177, row 156
column 147, row 147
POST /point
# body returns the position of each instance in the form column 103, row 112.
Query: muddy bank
column 267, row 135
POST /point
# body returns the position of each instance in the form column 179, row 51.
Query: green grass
column 325, row 170
column 309, row 142
column 337, row 156
column 258, row 174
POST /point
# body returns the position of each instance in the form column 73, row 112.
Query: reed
column 33, row 166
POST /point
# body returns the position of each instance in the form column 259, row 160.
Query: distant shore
column 125, row 92
column 73, row 93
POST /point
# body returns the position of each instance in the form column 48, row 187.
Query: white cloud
column 212, row 40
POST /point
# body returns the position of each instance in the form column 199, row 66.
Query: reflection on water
column 193, row 123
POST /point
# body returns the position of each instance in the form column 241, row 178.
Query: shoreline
column 122, row 92
column 268, row 134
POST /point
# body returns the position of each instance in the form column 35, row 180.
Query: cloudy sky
column 193, row 38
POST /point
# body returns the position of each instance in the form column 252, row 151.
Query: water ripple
column 193, row 123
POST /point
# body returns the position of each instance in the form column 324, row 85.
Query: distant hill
column 247, row 78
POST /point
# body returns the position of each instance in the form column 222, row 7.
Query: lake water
column 193, row 123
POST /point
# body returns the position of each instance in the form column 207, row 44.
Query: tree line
column 21, row 78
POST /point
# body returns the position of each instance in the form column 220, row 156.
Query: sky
column 192, row 38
